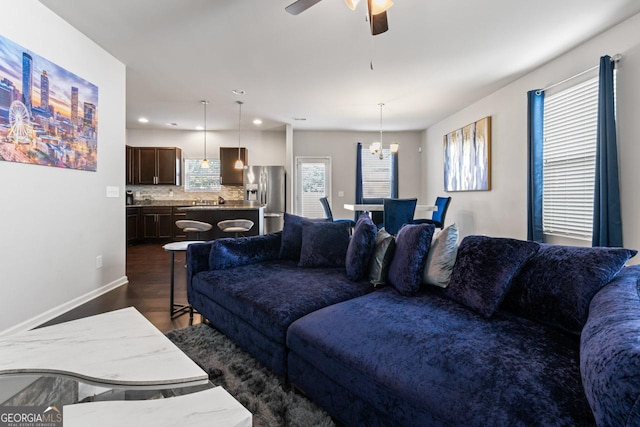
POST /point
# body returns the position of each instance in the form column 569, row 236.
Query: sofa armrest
column 610, row 351
column 229, row 253
column 198, row 257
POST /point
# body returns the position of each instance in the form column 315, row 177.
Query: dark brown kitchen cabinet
column 229, row 175
column 157, row 165
column 178, row 233
column 133, row 225
column 157, row 222
column 130, row 170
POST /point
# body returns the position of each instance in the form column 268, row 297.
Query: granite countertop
column 219, row 207
column 193, row 205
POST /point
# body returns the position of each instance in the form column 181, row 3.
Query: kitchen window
column 198, row 179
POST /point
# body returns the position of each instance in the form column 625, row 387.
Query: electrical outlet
column 99, row 261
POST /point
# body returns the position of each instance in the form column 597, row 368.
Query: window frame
column 213, row 172
column 299, row 161
column 569, row 155
column 369, row 159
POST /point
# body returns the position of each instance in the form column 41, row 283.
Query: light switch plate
column 340, row 193
column 113, row 191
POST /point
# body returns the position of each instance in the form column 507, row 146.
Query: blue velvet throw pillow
column 484, row 270
column 324, row 244
column 557, row 285
column 292, row 236
column 410, row 257
column 361, row 247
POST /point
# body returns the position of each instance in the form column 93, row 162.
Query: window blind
column 376, row 175
column 314, row 186
column 198, row 179
column 569, row 153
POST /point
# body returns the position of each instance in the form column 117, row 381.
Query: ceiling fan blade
column 300, row 6
column 378, row 22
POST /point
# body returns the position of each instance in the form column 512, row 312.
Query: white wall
column 55, row 222
column 264, row 148
column 502, row 211
column 341, row 147
column 270, row 147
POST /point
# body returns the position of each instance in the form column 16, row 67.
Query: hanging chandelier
column 205, row 163
column 239, row 164
column 376, row 148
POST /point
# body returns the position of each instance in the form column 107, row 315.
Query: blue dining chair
column 398, row 212
column 437, row 217
column 327, row 212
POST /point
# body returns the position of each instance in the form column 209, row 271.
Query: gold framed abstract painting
column 467, row 157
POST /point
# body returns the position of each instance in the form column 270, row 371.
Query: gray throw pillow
column 381, row 259
column 441, row 257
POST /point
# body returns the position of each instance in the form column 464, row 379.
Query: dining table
column 380, row 207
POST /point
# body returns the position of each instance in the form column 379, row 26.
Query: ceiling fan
column 376, row 10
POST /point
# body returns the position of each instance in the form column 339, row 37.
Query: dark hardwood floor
column 148, row 269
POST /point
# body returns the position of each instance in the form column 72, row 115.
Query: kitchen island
column 155, row 219
column 216, row 213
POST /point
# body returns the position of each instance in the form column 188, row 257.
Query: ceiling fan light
column 352, row 4
column 379, row 6
column 238, row 164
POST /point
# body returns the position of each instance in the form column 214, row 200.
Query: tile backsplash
column 175, row 192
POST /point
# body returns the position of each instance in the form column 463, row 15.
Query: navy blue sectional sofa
column 524, row 334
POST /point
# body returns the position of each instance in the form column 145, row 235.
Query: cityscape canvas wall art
column 467, row 157
column 48, row 115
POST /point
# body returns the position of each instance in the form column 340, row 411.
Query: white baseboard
column 63, row 308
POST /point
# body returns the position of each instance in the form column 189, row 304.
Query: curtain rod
column 615, row 59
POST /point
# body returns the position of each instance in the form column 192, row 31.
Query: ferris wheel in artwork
column 20, row 122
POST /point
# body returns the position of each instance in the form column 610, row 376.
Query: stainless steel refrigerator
column 266, row 185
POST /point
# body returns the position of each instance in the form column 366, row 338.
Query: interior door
column 313, row 181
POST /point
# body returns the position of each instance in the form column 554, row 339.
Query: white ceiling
column 437, row 57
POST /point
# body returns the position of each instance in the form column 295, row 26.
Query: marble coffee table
column 119, row 348
column 121, row 357
column 211, row 408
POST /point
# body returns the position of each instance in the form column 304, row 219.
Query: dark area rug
column 264, row 394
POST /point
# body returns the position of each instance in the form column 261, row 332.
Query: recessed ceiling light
column 257, row 122
column 171, row 124
column 300, row 119
column 238, row 92
column 143, row 120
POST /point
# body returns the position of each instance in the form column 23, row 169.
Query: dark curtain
column 535, row 111
column 359, row 196
column 607, row 219
column 394, row 175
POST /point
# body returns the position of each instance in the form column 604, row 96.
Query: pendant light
column 376, row 147
column 239, row 164
column 205, row 163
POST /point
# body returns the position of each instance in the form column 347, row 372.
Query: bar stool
column 191, row 226
column 236, row 226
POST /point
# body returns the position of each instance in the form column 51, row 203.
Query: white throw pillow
column 441, row 257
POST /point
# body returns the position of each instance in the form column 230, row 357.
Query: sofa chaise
column 512, row 332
